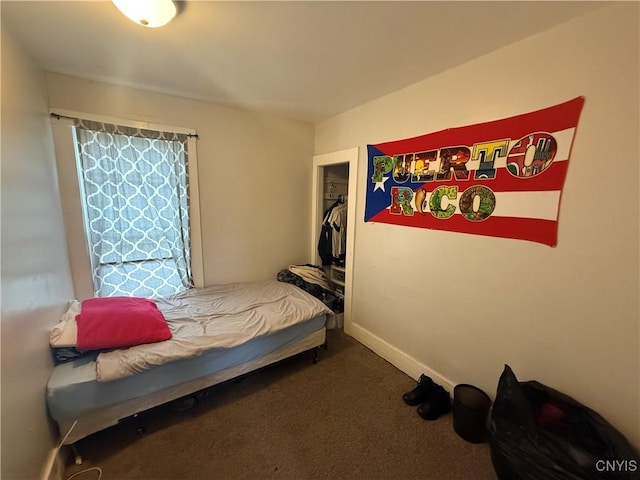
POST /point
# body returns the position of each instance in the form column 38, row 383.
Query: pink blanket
column 113, row 322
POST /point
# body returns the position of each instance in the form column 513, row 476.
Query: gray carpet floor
column 342, row 418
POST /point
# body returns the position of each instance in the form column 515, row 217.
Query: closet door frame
column 348, row 156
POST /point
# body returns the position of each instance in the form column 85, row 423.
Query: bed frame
column 113, row 414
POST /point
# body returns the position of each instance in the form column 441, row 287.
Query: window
column 135, row 201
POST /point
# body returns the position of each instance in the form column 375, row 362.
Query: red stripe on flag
column 556, row 118
column 532, row 229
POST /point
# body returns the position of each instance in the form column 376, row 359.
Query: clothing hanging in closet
column 332, row 243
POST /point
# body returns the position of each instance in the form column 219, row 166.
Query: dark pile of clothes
column 312, row 279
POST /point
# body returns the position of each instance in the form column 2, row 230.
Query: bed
column 217, row 333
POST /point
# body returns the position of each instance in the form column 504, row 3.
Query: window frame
column 70, row 193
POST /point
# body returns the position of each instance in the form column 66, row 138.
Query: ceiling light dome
column 148, row 13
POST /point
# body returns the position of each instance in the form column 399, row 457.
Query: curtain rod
column 57, row 116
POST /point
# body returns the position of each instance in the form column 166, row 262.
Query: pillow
column 65, row 332
column 114, row 322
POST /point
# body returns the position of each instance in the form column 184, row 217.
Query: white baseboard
column 397, row 358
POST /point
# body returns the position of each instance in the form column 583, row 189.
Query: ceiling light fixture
column 148, row 13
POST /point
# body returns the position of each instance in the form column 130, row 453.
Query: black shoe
column 438, row 404
column 423, row 391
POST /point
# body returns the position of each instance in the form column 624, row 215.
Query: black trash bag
column 538, row 433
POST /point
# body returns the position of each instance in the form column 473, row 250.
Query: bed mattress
column 73, row 390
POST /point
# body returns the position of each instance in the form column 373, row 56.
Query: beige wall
column 463, row 305
column 254, row 174
column 36, row 281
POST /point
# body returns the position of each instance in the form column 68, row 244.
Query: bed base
column 85, row 425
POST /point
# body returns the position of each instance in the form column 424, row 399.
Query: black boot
column 439, row 403
column 423, row 391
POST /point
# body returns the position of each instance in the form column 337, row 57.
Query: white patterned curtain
column 134, row 185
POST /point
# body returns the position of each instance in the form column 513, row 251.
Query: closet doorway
column 335, row 179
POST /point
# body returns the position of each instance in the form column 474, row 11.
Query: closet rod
column 340, row 181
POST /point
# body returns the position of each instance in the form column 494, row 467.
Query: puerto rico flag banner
column 502, row 178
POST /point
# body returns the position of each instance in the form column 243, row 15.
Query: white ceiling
column 302, row 59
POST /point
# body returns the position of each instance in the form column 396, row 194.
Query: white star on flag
column 380, row 185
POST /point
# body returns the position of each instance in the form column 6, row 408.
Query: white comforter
column 222, row 316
